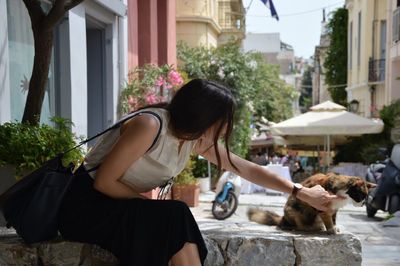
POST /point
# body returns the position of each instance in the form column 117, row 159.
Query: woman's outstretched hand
column 318, row 198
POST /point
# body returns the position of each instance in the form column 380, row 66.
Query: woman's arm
column 316, row 196
column 137, row 135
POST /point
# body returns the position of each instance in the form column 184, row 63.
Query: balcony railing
column 376, row 70
column 231, row 19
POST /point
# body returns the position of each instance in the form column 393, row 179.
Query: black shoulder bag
column 31, row 205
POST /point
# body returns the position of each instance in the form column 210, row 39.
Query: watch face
column 298, row 186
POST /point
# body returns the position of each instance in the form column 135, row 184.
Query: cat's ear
column 370, row 185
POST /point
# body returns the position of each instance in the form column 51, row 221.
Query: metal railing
column 376, row 70
column 231, row 19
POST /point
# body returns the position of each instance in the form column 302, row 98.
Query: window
column 21, row 53
column 395, row 25
column 383, row 40
column 359, row 40
column 350, row 46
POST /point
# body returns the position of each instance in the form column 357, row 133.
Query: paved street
column 380, row 243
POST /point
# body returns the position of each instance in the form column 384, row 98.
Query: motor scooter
column 374, row 173
column 227, row 196
column 386, row 196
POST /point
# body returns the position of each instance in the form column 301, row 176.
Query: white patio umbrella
column 262, row 140
column 327, row 119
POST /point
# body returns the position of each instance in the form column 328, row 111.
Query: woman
column 104, row 207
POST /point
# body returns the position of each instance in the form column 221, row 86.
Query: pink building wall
column 151, row 32
column 151, row 37
column 133, row 32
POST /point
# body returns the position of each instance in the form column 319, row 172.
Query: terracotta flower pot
column 186, row 193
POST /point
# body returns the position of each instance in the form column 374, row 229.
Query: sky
column 299, row 21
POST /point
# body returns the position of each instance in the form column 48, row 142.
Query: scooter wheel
column 394, row 204
column 371, row 211
column 226, row 208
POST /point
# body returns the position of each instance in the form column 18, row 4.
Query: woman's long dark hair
column 198, row 105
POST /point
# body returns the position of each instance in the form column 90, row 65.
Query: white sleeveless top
column 156, row 166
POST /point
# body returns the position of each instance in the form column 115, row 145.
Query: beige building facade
column 209, row 23
column 320, row 91
column 393, row 51
column 367, row 46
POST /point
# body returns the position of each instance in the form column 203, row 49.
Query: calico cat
column 298, row 215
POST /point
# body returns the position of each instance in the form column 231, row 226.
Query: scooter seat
column 378, row 167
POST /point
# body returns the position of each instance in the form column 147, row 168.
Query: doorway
column 96, row 76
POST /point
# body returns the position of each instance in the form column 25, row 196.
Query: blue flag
column 271, row 6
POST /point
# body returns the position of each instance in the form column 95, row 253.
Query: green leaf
column 27, row 147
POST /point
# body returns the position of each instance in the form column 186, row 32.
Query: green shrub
column 389, row 114
column 186, row 177
column 201, row 167
column 27, row 147
column 365, row 148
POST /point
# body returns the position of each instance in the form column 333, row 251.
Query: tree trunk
column 41, row 64
column 42, row 26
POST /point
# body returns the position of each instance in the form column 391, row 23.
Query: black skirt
column 137, row 231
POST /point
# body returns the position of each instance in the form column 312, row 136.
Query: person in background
column 299, row 174
column 276, row 159
column 260, row 159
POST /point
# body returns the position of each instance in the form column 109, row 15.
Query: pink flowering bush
column 149, row 84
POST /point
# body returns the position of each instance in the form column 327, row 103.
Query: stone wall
column 236, row 244
column 229, row 244
column 14, row 252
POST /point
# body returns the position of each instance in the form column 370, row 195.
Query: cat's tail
column 263, row 216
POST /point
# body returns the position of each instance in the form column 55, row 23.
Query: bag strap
column 117, row 125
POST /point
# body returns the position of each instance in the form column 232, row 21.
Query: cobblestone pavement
column 380, row 242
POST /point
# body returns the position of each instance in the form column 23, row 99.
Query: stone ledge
column 248, row 243
column 228, row 244
column 57, row 252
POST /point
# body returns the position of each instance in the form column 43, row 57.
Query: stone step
column 232, row 244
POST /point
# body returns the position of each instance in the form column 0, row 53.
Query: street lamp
column 354, row 104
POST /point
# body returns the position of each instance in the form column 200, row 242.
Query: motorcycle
column 227, row 196
column 386, row 196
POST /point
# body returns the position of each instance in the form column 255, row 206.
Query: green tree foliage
column 336, row 59
column 306, row 91
column 273, row 97
column 256, row 85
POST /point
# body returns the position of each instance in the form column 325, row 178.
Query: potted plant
column 186, row 186
column 202, row 172
column 25, row 147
